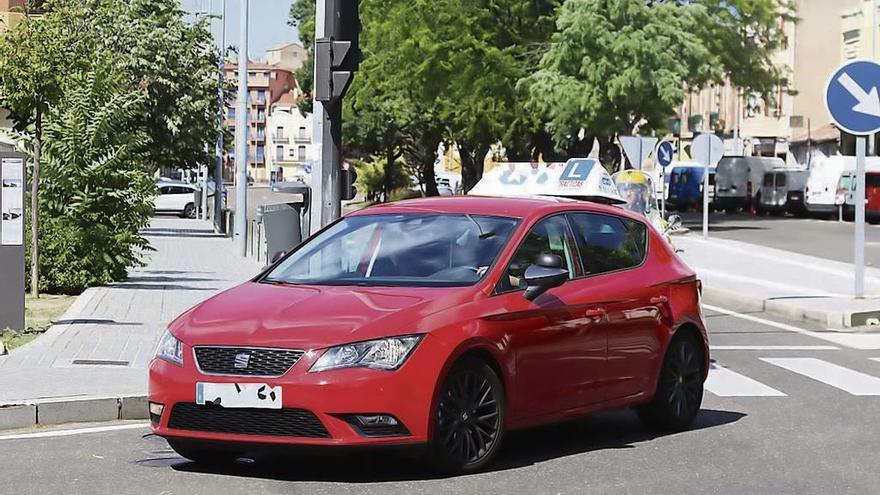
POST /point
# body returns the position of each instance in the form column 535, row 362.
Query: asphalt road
column 774, row 420
column 822, row 238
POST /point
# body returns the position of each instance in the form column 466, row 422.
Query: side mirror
column 546, row 273
column 277, row 256
column 673, row 223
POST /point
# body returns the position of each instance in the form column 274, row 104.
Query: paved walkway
column 103, row 344
column 793, row 286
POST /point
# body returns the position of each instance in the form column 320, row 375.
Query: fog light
column 156, row 410
column 377, row 420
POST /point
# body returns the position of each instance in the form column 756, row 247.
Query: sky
column 267, row 21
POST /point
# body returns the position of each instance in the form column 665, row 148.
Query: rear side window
column 780, row 180
column 607, row 243
column 872, row 180
column 549, row 236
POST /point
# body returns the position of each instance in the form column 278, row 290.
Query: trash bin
column 283, row 228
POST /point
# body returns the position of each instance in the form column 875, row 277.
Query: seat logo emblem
column 242, row 360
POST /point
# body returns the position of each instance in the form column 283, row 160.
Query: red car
column 442, row 322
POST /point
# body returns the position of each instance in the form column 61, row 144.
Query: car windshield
column 418, row 250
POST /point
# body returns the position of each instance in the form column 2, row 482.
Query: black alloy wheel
column 189, row 211
column 469, row 421
column 679, row 387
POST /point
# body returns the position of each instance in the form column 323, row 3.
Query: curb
column 833, row 320
column 28, row 414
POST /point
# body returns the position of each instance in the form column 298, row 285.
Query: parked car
column 738, row 181
column 686, row 187
column 443, row 323
column 846, row 192
column 821, row 193
column 176, row 197
column 782, row 190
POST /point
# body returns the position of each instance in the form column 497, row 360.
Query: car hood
column 311, row 317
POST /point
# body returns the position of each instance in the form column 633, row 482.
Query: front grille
column 246, row 361
column 247, row 421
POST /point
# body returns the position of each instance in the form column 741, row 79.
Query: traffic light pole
column 336, row 57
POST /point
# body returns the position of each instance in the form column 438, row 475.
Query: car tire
column 189, row 211
column 679, row 391
column 468, row 419
column 201, row 454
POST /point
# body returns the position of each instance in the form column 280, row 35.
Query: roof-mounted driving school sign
column 851, row 97
column 582, row 178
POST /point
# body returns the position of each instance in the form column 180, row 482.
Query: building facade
column 291, row 152
column 288, row 56
column 789, row 123
column 266, row 86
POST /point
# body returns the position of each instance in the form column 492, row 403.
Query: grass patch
column 39, row 315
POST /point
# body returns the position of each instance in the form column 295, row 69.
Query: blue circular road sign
column 665, row 153
column 851, row 97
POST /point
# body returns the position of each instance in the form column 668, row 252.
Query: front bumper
column 331, row 396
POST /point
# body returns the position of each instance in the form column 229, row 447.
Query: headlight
column 170, row 349
column 383, row 354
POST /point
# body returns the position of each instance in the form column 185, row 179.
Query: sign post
column 12, row 249
column 637, row 149
column 707, row 149
column 665, row 152
column 854, row 105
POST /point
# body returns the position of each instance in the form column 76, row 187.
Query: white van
column 824, row 178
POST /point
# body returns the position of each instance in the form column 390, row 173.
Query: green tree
column 617, row 65
column 35, row 59
column 302, row 17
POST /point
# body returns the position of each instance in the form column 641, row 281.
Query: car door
column 613, row 251
column 558, row 343
column 165, row 201
column 183, row 196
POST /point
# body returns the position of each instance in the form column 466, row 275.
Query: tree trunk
column 609, row 154
column 35, row 188
column 429, row 176
column 388, row 178
column 472, row 162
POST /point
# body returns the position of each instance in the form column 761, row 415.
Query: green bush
column 95, row 194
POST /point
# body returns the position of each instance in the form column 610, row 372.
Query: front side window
column 608, row 243
column 549, row 236
column 412, row 250
column 768, row 180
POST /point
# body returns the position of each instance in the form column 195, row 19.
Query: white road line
column 854, row 382
column 726, row 383
column 78, row 431
column 774, row 348
column 861, row 341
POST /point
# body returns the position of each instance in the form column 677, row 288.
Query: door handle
column 595, row 313
column 659, row 300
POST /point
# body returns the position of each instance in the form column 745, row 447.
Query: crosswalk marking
column 774, row 348
column 726, row 383
column 854, row 382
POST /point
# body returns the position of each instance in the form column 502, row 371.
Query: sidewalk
column 789, row 285
column 101, row 347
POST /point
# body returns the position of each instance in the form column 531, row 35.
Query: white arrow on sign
column 665, row 154
column 868, row 102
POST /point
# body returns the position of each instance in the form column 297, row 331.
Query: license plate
column 256, row 395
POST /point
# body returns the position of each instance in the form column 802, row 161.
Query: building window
column 301, row 153
column 279, row 153
column 279, row 132
column 261, row 153
column 302, row 132
column 267, row 74
column 261, row 115
column 292, row 153
column 230, row 112
column 252, row 74
column 261, row 96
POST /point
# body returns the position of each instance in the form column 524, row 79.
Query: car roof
column 165, row 182
column 517, row 207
